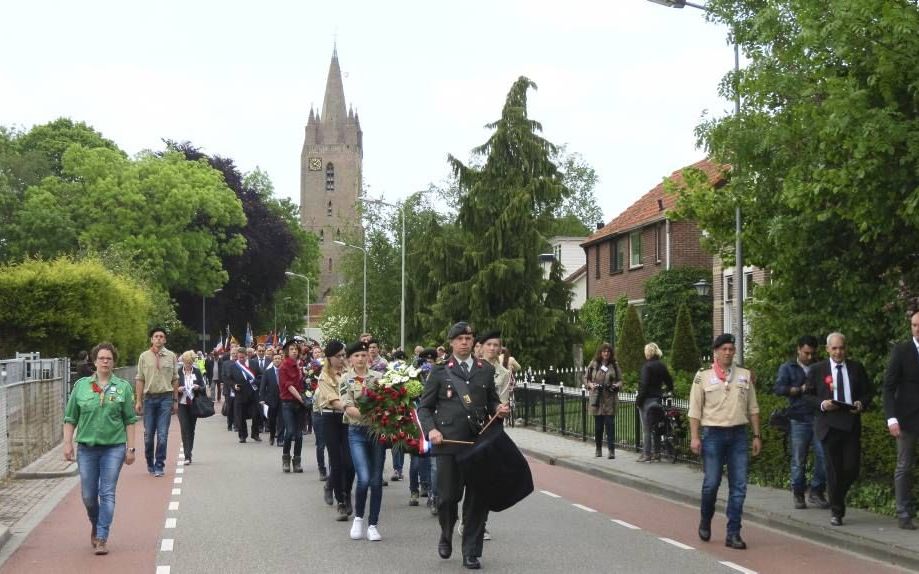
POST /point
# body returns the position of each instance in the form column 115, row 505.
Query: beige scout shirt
column 327, row 390
column 720, row 404
column 157, row 373
column 352, row 387
column 502, row 382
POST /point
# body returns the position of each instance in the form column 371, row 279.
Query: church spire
column 333, row 105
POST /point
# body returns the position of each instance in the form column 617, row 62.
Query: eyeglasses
column 105, row 359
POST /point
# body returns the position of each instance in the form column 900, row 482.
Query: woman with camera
column 603, row 380
column 654, row 379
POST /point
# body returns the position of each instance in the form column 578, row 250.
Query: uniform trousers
column 450, row 486
column 341, row 470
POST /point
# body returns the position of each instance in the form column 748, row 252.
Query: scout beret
column 333, row 347
column 461, row 328
column 723, row 339
column 356, row 347
column 492, row 334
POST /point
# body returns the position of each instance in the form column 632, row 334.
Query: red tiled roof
column 581, row 270
column 648, row 208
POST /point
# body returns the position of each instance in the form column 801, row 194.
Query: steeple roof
column 333, row 104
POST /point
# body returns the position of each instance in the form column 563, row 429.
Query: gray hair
column 833, row 335
column 652, row 350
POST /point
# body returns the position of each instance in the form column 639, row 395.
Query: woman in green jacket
column 101, row 410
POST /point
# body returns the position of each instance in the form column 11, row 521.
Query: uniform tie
column 465, row 369
column 840, row 392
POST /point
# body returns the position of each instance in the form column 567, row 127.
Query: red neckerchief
column 156, row 355
column 719, row 372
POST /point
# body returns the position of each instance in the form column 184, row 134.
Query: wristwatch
column 757, row 436
column 132, row 449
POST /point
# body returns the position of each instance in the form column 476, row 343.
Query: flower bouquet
column 388, row 403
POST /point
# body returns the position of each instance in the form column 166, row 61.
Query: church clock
column 315, row 164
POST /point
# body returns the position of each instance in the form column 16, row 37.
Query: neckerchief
column 722, row 375
column 156, row 356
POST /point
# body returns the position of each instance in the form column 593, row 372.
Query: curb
column 4, row 535
column 887, row 553
column 70, row 470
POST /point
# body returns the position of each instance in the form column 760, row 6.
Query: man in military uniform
column 458, row 399
column 722, row 402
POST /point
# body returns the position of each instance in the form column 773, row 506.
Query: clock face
column 315, row 164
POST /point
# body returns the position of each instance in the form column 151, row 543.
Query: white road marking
column 582, row 507
column 176, row 491
column 552, row 494
column 180, row 470
column 174, row 505
column 178, row 480
column 162, row 569
column 171, row 522
column 626, row 524
column 167, row 544
column 739, row 568
column 677, row 544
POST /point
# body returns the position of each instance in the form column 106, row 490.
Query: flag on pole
column 283, row 338
column 218, row 348
column 424, row 446
column 226, row 343
column 249, row 339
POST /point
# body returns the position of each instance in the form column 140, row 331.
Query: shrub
column 665, row 294
column 631, row 345
column 685, row 353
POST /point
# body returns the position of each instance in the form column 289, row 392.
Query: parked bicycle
column 669, row 428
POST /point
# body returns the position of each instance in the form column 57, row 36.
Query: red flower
column 450, row 364
column 97, row 388
column 828, row 380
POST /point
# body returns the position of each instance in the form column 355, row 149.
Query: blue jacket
column 792, row 375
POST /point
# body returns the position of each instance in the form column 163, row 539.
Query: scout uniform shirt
column 157, row 371
column 718, row 403
column 101, row 413
column 352, row 385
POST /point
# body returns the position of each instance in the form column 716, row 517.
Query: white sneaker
column 357, row 529
column 373, row 534
column 459, row 529
column 486, row 536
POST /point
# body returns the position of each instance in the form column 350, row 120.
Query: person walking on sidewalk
column 790, row 383
column 293, row 406
column 101, row 411
column 603, row 380
column 191, row 384
column 655, row 378
column 901, row 408
column 722, row 402
column 156, row 395
column 840, row 390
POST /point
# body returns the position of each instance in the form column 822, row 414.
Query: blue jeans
column 720, row 446
column 291, row 412
column 802, row 438
column 99, row 469
column 368, row 456
column 398, row 459
column 419, row 470
column 157, row 414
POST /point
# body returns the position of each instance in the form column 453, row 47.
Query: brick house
column 642, row 241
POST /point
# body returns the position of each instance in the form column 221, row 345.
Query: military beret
column 356, row 347
column 428, row 353
column 492, row 334
column 333, row 347
column 461, row 328
column 723, row 339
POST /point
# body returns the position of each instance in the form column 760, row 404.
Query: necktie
column 840, row 392
column 465, row 369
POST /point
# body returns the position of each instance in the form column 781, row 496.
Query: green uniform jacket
column 101, row 417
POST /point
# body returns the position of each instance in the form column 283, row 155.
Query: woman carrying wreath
column 367, row 453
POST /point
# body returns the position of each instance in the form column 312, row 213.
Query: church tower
column 330, row 178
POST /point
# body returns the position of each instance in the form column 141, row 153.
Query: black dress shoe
column 705, row 531
column 836, row 521
column 818, row 499
column 471, row 563
column 444, row 547
column 906, row 523
column 799, row 501
column 327, row 496
column 242, row 440
column 735, row 541
column 256, row 439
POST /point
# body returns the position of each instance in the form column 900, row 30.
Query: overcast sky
column 623, row 82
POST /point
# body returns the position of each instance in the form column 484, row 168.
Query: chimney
column 660, row 205
column 600, row 225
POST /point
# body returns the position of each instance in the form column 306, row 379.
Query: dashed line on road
column 625, row 524
column 176, row 491
column 552, row 494
column 167, row 544
column 171, row 522
column 582, row 507
column 177, row 480
column 174, row 505
column 180, row 470
column 676, row 543
column 163, row 569
column 738, row 567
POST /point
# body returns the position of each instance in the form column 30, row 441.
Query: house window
column 330, row 263
column 596, row 261
column 616, row 255
column 329, row 210
column 558, row 252
column 729, row 288
column 321, row 235
column 659, row 232
column 749, row 285
column 635, row 249
column 329, row 177
column 338, row 234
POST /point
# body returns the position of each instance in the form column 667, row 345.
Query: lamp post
column 364, row 324
column 401, row 208
column 204, row 320
column 286, row 299
column 292, row 274
column 738, row 226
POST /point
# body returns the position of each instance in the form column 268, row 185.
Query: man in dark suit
column 839, row 390
column 229, row 395
column 255, row 365
column 458, row 399
column 268, row 395
column 245, row 384
column 901, row 407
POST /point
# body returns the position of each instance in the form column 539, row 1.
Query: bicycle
column 667, row 422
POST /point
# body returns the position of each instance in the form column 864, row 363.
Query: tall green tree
column 685, row 356
column 665, row 294
column 581, row 178
column 631, row 346
column 492, row 276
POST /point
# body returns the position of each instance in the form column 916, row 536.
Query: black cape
column 496, row 468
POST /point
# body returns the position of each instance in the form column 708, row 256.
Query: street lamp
column 364, row 327
column 204, row 320
column 276, row 309
column 702, row 287
column 401, row 208
column 738, row 227
column 292, row 274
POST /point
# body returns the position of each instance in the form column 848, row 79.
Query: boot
column 297, row 467
column 285, row 462
column 599, row 452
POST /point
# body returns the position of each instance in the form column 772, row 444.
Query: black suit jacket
column 901, row 386
column 437, row 410
column 816, row 391
column 245, row 392
column 199, row 380
column 268, row 390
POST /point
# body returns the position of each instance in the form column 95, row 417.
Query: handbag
column 779, row 420
column 202, row 407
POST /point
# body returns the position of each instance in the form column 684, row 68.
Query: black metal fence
column 561, row 407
